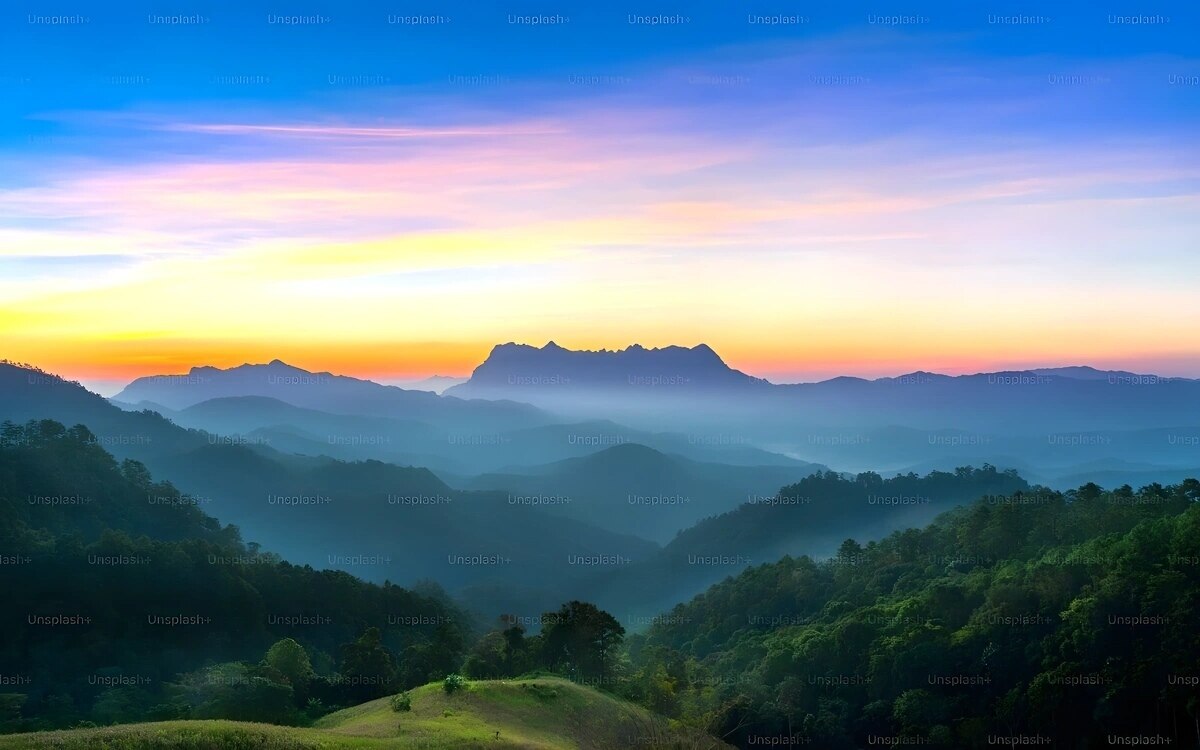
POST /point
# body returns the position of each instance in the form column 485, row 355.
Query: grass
column 184, row 735
column 545, row 713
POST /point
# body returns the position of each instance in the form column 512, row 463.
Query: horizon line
column 91, row 383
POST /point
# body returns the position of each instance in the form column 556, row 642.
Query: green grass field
column 542, row 713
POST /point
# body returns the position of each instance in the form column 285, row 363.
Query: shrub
column 453, row 683
column 401, row 702
column 315, row 708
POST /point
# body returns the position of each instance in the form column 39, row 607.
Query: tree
column 291, row 661
column 516, row 650
column 236, row 691
column 486, row 660
column 136, row 472
column 581, row 640
column 368, row 667
column 500, row 653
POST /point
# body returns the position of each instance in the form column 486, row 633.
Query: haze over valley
column 515, row 504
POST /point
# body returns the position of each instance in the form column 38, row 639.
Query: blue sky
column 66, row 64
column 809, row 198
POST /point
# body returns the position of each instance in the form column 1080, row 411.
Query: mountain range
column 655, row 449
column 1053, row 422
column 1056, row 423
column 1080, row 398
column 337, row 394
column 377, row 520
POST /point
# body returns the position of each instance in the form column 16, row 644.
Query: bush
column 315, row 708
column 402, row 702
column 453, row 683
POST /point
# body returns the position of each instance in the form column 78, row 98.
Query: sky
column 869, row 190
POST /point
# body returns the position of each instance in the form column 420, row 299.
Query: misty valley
column 269, row 556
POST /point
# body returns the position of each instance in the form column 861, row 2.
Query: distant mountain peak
column 275, row 364
column 512, row 346
column 279, row 364
column 634, row 348
column 1079, row 372
column 704, row 350
column 322, row 391
column 529, row 373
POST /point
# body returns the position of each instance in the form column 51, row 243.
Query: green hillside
column 1065, row 620
column 543, row 713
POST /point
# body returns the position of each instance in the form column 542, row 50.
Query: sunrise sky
column 382, row 199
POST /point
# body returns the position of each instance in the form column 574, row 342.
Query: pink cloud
column 347, row 131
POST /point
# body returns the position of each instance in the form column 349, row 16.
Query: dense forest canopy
column 1036, row 618
column 114, row 581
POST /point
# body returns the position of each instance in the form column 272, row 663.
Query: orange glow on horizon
column 126, row 360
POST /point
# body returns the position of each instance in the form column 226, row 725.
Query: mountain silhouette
column 1045, row 420
column 512, row 369
column 336, row 394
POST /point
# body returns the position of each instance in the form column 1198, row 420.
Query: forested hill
column 1065, row 620
column 60, row 481
column 809, row 517
column 828, row 505
column 115, row 584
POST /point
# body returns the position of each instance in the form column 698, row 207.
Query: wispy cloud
column 348, row 131
column 782, row 206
